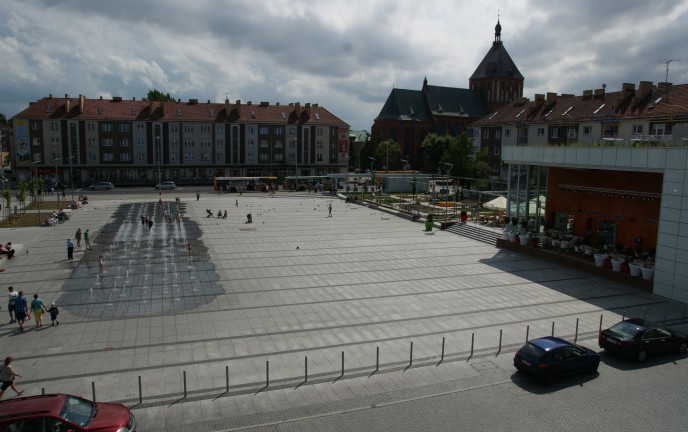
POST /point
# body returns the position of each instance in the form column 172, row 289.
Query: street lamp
column 446, row 184
column 346, row 184
column 372, row 176
column 403, row 175
column 38, row 201
column 157, row 143
column 57, row 184
column 296, row 164
column 71, row 176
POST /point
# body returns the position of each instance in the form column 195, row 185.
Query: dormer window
column 493, row 115
column 521, row 112
column 599, row 109
column 567, row 110
column 179, row 112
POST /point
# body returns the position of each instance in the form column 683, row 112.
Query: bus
column 244, row 184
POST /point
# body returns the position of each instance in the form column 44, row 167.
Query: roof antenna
column 666, row 75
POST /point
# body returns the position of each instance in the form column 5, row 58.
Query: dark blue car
column 551, row 357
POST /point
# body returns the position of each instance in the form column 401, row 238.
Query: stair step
column 475, row 233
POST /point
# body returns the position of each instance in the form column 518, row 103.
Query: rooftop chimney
column 68, row 103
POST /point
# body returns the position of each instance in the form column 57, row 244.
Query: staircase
column 476, row 232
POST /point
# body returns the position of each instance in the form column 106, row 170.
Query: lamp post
column 296, row 164
column 71, row 176
column 57, row 184
column 38, row 201
column 372, row 176
column 346, row 182
column 446, row 183
column 157, row 143
column 403, row 176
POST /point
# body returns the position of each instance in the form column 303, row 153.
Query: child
column 54, row 313
column 101, row 264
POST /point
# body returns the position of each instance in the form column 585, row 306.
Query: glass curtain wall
column 527, row 195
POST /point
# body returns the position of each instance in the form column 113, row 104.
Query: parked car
column 101, row 186
column 551, row 357
column 637, row 339
column 166, row 185
column 62, row 412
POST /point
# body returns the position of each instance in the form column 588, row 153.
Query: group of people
column 57, row 216
column 20, row 309
column 7, row 250
column 86, row 235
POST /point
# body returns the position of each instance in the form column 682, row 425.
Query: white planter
column 647, row 272
column 616, row 264
column 512, row 237
column 525, row 239
column 635, row 269
column 505, row 235
column 600, row 259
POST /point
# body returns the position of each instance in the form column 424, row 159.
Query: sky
column 344, row 55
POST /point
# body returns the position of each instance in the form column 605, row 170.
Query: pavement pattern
column 295, row 316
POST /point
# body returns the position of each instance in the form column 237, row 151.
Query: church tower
column 497, row 78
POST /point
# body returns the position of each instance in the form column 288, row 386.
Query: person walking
column 12, row 304
column 70, row 249
column 188, row 247
column 101, row 264
column 21, row 311
column 87, row 239
column 37, row 308
column 54, row 314
column 329, row 210
column 198, row 196
column 77, row 236
column 7, row 375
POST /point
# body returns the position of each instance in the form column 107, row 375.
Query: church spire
column 498, row 32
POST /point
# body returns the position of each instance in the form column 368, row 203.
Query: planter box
column 524, row 240
column 616, row 264
column 635, row 269
column 600, row 259
column 512, row 237
column 647, row 272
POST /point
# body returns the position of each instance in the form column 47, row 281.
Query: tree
column 158, row 96
column 458, row 153
column 7, row 195
column 387, row 149
column 433, row 148
column 22, row 187
column 481, row 168
column 3, row 119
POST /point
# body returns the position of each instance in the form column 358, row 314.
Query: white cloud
column 345, row 56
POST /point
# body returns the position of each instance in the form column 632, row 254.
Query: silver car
column 101, row 186
column 166, row 185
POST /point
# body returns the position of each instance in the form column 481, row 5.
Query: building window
column 205, row 156
column 279, row 157
column 108, row 157
column 91, row 157
column 124, row 142
column 250, row 129
column 125, row 157
column 188, row 156
column 319, row 144
column 124, row 127
column 263, row 157
column 173, row 157
column 540, row 131
column 36, row 157
column 554, row 132
column 220, row 129
column 219, row 142
column 507, row 133
column 278, row 131
column 219, row 156
column 498, row 133
column 572, row 132
column 140, row 157
column 188, row 143
column 251, row 143
column 54, row 126
column 174, row 127
column 292, row 131
column 106, row 127
column 107, row 142
column 279, row 144
column 264, row 144
column 205, row 128
column 658, row 129
column 586, row 130
column 91, row 142
column 637, row 129
column 292, row 156
column 319, row 132
column 175, row 143
column 320, row 157
column 486, row 133
column 139, row 142
column 91, row 127
column 611, row 131
column 55, row 141
column 496, row 150
column 333, row 157
column 140, row 127
column 188, row 128
column 263, row 130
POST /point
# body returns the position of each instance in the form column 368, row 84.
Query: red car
column 64, row 413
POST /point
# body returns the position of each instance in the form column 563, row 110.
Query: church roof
column 497, row 62
column 405, row 104
column 456, row 101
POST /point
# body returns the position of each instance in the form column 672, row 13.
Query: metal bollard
column 552, row 328
column 527, row 331
column 227, row 378
column 623, row 317
column 472, row 343
column 442, row 357
column 601, row 322
column 575, row 339
column 43, row 390
column 377, row 358
column 306, row 370
column 267, row 373
column 500, row 342
column 140, row 391
column 93, row 390
column 342, row 363
column 184, row 378
column 411, row 355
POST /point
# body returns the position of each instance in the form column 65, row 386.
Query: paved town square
column 300, row 321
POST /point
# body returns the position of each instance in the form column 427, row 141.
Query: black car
column 637, row 339
column 551, row 357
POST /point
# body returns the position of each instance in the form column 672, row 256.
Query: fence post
column 411, row 355
column 140, row 392
column 500, row 342
column 184, row 372
column 527, row 331
column 267, row 373
column 377, row 358
column 93, row 390
column 43, row 390
column 472, row 343
column 575, row 339
column 623, row 317
column 342, row 363
column 442, row 358
column 552, row 328
column 306, row 374
column 227, row 378
column 601, row 322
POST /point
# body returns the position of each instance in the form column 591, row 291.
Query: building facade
column 130, row 141
column 408, row 116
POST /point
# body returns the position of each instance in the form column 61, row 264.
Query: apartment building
column 127, row 141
